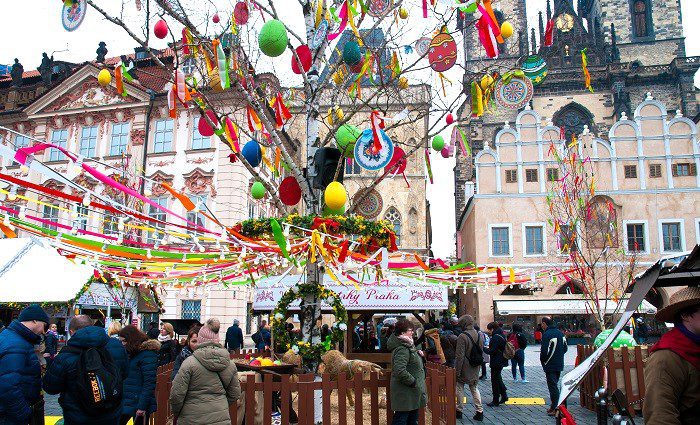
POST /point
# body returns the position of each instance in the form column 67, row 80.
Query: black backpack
column 98, row 381
column 475, row 357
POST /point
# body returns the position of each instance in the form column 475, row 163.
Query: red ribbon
column 549, row 33
column 343, row 251
column 282, row 114
column 377, row 124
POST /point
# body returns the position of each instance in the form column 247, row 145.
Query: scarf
column 406, row 338
column 680, row 343
column 163, row 338
column 54, row 333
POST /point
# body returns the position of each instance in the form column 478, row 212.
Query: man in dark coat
column 497, row 362
column 20, row 372
column 234, row 337
column 552, row 359
column 153, row 330
column 60, row 376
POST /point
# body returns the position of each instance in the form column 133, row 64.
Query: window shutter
column 693, row 169
column 674, row 170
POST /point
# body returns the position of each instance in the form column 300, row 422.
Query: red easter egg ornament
column 445, row 152
column 449, row 119
column 160, row 29
column 241, row 13
column 304, row 54
column 442, row 53
column 290, row 191
column 215, row 18
column 203, row 126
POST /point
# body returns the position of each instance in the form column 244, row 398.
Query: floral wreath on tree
column 306, row 350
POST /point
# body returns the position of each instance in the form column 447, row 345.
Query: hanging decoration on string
column 73, row 13
column 514, row 94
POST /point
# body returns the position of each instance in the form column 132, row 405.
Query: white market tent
column 31, row 271
column 563, row 306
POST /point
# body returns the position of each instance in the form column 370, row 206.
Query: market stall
column 396, row 296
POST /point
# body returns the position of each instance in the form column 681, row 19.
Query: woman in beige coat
column 207, row 383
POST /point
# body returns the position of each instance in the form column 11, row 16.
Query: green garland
column 308, row 351
column 381, row 232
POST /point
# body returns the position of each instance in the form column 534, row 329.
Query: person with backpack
column 552, row 358
column 139, row 400
column 207, row 383
column 262, row 338
column 20, row 372
column 89, row 358
column 519, row 341
column 469, row 357
column 499, row 359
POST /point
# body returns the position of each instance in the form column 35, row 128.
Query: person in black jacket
column 60, row 376
column 50, row 344
column 497, row 362
column 139, row 400
column 234, row 337
column 153, row 331
column 169, row 348
column 20, row 372
column 552, row 359
column 519, row 341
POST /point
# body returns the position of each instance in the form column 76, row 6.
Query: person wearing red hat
column 672, row 371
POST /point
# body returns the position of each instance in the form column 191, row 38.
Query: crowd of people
column 109, row 378
column 459, row 343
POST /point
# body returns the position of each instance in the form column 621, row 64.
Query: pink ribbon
column 343, row 15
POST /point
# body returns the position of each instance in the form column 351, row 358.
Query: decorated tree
column 586, row 227
column 352, row 63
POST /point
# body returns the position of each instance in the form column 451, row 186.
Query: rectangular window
column 552, row 174
column 511, row 176
column 654, row 170
column 50, row 213
column 534, row 241
column 157, row 214
column 531, row 175
column 199, row 141
column 110, row 224
column 199, row 201
column 635, row 237
column 352, row 167
column 683, row 169
column 120, row 138
column 58, row 138
column 88, row 141
column 81, row 219
column 671, row 236
column 500, row 244
column 163, row 138
column 21, row 141
column 567, row 239
column 191, row 309
column 630, row 171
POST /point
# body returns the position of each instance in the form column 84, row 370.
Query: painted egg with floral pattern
column 442, row 53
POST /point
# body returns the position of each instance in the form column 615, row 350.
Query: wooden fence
column 297, row 392
column 622, row 367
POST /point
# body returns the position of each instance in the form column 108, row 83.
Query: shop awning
column 33, row 272
column 561, row 306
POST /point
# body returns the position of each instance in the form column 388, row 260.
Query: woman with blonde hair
column 169, row 348
column 114, row 328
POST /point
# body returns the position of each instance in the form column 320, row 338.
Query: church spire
column 541, row 24
column 549, row 10
column 614, row 50
column 534, row 42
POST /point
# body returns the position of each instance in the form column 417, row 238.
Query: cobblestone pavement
column 536, row 388
column 504, row 414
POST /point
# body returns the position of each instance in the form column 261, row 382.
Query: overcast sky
column 34, row 26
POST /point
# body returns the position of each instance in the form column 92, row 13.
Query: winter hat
column 33, row 312
column 206, row 334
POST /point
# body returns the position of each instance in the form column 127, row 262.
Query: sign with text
column 401, row 295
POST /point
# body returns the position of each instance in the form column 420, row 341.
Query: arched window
column 570, row 287
column 393, row 216
column 572, row 118
column 640, row 18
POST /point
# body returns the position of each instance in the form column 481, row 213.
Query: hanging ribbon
column 427, row 164
column 278, row 159
column 549, row 33
column 343, row 251
column 377, row 124
column 231, row 133
column 343, row 15
column 254, row 123
column 119, row 79
column 222, row 65
column 282, row 114
column 184, row 200
column 499, row 276
column 395, row 65
column 586, row 74
column 280, row 239
column 487, row 10
column 464, row 144
column 477, row 100
column 486, row 36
